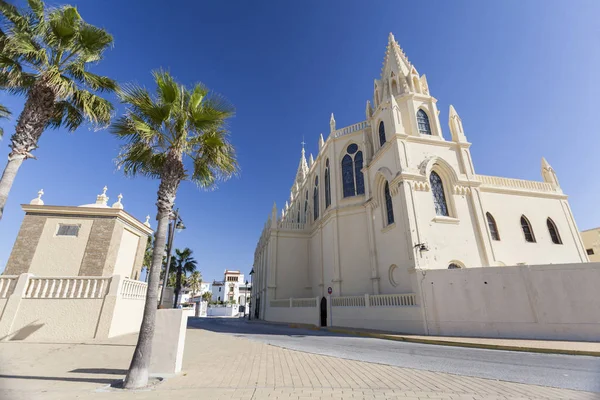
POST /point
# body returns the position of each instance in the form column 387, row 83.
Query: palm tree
column 147, row 262
column 4, row 113
column 184, row 264
column 195, row 282
column 176, row 135
column 45, row 55
column 207, row 296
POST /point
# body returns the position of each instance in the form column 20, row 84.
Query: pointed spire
column 274, row 216
column 118, row 204
column 38, row 200
column 368, row 110
column 548, row 173
column 147, row 222
column 302, row 171
column 321, row 141
column 395, row 59
column 311, row 160
column 456, row 127
column 332, row 123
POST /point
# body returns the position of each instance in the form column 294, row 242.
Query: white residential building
column 232, row 289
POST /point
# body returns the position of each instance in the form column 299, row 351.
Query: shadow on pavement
column 59, row 378
column 106, row 371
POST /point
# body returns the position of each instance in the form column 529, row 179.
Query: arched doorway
column 323, row 311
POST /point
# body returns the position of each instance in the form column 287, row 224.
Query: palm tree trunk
column 8, row 177
column 137, row 376
column 34, row 118
column 177, row 286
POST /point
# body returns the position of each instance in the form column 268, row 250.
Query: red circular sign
column 329, row 290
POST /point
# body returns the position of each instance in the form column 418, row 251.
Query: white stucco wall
column 396, row 319
column 538, row 302
column 127, row 316
column 292, row 257
column 126, row 254
column 300, row 315
column 226, row 311
column 60, row 255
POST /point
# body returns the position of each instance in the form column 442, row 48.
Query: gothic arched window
column 493, row 227
column 553, row 231
column 306, row 207
column 352, row 176
column 316, row 199
column 381, row 134
column 439, row 197
column 327, row 185
column 423, row 122
column 527, row 230
column 389, row 210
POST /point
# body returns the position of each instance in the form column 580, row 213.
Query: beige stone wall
column 128, row 245
column 100, row 240
column 28, row 238
column 591, row 240
column 139, row 258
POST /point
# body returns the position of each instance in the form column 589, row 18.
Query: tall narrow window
column 423, row 122
column 527, row 231
column 316, row 199
column 553, row 231
column 389, row 210
column 493, row 227
column 327, row 185
column 352, row 176
column 381, row 134
column 439, row 197
column 306, row 207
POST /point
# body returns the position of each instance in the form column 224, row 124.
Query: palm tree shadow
column 23, row 333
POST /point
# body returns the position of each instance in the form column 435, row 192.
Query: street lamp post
column 251, row 291
column 174, row 224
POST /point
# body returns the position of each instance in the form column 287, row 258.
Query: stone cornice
column 70, row 211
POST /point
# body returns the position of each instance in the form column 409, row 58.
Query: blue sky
column 523, row 75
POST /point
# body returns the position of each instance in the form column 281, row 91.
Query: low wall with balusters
column 69, row 308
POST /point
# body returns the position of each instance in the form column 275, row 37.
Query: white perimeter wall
column 537, row 302
column 405, row 319
column 301, row 315
column 222, row 311
column 127, row 317
column 126, row 254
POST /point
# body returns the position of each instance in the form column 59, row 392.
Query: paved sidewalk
column 219, row 366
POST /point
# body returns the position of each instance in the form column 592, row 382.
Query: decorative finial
column 332, row 123
column 102, row 198
column 321, row 141
column 38, row 200
column 147, row 223
column 118, row 204
column 311, row 160
column 391, row 38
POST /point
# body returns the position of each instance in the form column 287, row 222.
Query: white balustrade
column 309, row 302
column 392, row 300
column 132, row 289
column 7, row 285
column 280, row 303
column 350, row 129
column 348, row 301
column 519, row 184
column 293, row 226
column 81, row 287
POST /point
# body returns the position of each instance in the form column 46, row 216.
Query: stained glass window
column 316, row 199
column 381, row 134
column 327, row 185
column 553, row 231
column 358, row 164
column 527, row 231
column 423, row 122
column 493, row 227
column 388, row 204
column 348, row 176
column 439, row 198
column 352, row 176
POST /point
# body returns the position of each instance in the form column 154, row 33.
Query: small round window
column 353, row 148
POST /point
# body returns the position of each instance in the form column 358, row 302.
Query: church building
column 390, row 195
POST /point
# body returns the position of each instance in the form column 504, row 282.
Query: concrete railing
column 350, row 129
column 132, row 289
column 67, row 287
column 292, row 226
column 380, row 300
column 348, row 301
column 7, row 285
column 393, row 300
column 280, row 303
column 309, row 302
column 518, row 184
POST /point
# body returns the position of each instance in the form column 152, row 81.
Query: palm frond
column 93, row 40
column 94, row 108
column 12, row 14
column 214, row 158
column 167, row 88
column 139, row 159
column 65, row 114
column 37, row 6
column 64, row 23
column 95, row 82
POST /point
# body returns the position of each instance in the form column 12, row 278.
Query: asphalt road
column 561, row 371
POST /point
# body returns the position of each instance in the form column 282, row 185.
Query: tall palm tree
column 194, row 282
column 178, row 134
column 45, row 55
column 4, row 113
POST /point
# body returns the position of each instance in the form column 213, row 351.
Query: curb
column 488, row 346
